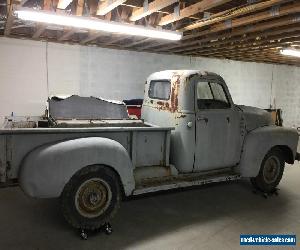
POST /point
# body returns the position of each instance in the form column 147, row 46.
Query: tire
column 91, row 197
column 271, row 171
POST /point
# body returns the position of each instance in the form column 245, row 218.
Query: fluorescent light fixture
column 96, row 24
column 290, row 52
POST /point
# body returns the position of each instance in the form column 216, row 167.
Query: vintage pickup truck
column 191, row 133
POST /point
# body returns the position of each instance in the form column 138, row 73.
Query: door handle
column 200, row 118
column 189, row 124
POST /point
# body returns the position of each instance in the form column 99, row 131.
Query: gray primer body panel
column 47, row 169
column 45, row 159
column 259, row 141
column 257, row 135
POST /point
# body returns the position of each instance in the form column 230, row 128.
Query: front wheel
column 271, row 171
column 91, row 197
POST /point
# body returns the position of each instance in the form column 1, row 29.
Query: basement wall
column 30, row 71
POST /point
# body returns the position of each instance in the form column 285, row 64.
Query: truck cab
column 211, row 132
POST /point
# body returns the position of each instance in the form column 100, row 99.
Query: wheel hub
column 93, row 197
column 271, row 169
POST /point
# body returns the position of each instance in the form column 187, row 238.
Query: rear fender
column 45, row 170
column 259, row 141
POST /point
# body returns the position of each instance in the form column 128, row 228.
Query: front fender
column 259, row 141
column 45, row 170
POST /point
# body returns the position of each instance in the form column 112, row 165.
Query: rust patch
column 175, row 92
column 172, row 104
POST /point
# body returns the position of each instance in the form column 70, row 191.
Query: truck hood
column 255, row 117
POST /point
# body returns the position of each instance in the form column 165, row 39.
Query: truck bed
column 152, row 142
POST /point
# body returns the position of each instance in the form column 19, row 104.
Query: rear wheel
column 91, row 197
column 271, row 171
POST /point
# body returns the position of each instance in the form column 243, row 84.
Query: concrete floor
column 211, row 217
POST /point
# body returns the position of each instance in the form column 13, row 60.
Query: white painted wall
column 116, row 74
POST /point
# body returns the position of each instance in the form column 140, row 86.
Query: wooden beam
column 66, row 35
column 22, row 2
column 119, row 38
column 251, row 44
column 92, row 36
column 145, row 40
column 250, row 48
column 192, row 10
column 10, row 18
column 261, row 16
column 40, row 28
column 151, row 8
column 79, row 7
column 232, row 14
column 203, row 35
column 108, row 5
column 62, row 4
column 271, row 34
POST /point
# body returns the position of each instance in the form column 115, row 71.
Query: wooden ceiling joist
column 91, row 36
column 108, row 5
column 248, row 46
column 145, row 40
column 272, row 34
column 150, row 8
column 236, row 12
column 261, row 16
column 191, row 10
column 66, row 35
column 10, row 18
column 247, row 49
column 116, row 40
column 239, row 30
column 79, row 7
column 39, row 31
column 194, row 38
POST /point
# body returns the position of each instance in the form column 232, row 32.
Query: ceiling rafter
column 239, row 29
column 10, row 18
column 261, row 16
column 107, row 6
column 240, row 39
column 192, row 10
column 284, row 42
column 288, row 20
column 150, row 8
column 236, row 12
column 251, row 44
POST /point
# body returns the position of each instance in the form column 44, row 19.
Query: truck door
column 218, row 132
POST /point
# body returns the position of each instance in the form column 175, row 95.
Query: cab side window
column 211, row 95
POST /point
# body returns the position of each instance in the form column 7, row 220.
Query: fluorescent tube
column 290, row 52
column 96, row 24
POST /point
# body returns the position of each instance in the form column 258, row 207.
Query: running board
column 181, row 183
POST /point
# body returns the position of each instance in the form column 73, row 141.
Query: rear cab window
column 160, row 89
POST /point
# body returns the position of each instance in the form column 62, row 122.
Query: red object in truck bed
column 134, row 107
column 134, row 110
